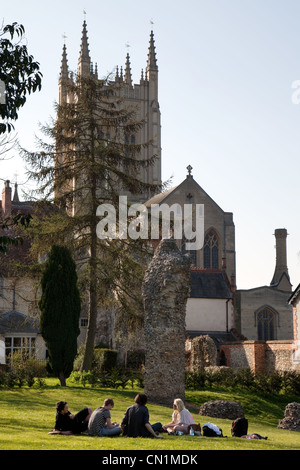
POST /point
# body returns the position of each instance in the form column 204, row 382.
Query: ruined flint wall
column 166, row 288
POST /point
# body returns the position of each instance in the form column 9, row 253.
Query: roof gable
column 188, row 185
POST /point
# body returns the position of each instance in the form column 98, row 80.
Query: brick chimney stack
column 281, row 278
column 6, row 200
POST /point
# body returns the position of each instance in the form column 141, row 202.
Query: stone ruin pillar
column 203, row 353
column 165, row 291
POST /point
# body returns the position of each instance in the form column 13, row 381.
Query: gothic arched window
column 266, row 324
column 211, row 250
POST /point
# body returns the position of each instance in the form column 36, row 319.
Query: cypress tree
column 60, row 309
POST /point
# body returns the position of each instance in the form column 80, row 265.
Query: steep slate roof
column 277, row 284
column 209, row 284
column 158, row 198
column 16, row 322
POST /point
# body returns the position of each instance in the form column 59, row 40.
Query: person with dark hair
column 67, row 423
column 136, row 420
column 100, row 422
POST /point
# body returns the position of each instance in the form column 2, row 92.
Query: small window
column 84, row 322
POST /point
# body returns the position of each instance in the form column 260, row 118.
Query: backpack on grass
column 239, row 427
column 211, row 430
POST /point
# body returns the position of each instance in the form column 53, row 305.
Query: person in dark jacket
column 136, row 420
column 67, row 423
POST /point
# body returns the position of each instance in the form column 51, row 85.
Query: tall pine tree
column 90, row 161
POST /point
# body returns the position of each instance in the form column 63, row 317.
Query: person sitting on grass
column 67, row 423
column 136, row 420
column 181, row 418
column 100, row 422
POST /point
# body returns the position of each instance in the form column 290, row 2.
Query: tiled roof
column 16, row 322
column 209, row 284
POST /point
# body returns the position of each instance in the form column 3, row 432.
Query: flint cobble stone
column 222, row 409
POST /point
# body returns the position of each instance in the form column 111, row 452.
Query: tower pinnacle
column 64, row 76
column 84, row 61
column 128, row 78
column 151, row 63
column 64, row 73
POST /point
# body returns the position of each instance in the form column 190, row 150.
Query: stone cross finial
column 189, row 169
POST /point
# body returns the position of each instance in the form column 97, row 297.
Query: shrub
column 104, row 359
column 291, row 382
column 224, row 376
column 2, row 378
column 195, row 380
column 11, row 379
column 135, row 359
column 245, row 378
column 273, row 382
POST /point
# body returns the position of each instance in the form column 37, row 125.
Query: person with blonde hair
column 181, row 418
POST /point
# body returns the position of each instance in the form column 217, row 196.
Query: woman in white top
column 181, row 418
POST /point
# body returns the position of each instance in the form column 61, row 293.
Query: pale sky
column 226, row 69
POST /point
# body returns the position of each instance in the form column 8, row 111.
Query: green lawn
column 27, row 415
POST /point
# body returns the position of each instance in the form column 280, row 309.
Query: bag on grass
column 239, row 427
column 196, row 428
column 211, row 430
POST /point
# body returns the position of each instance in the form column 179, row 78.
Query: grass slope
column 27, row 415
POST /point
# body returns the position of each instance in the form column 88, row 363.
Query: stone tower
column 142, row 97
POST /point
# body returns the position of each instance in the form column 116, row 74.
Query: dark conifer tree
column 60, row 310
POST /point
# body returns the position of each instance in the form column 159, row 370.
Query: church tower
column 142, row 97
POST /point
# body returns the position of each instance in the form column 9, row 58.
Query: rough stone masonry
column 165, row 291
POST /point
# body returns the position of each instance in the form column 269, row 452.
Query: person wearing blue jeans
column 100, row 423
